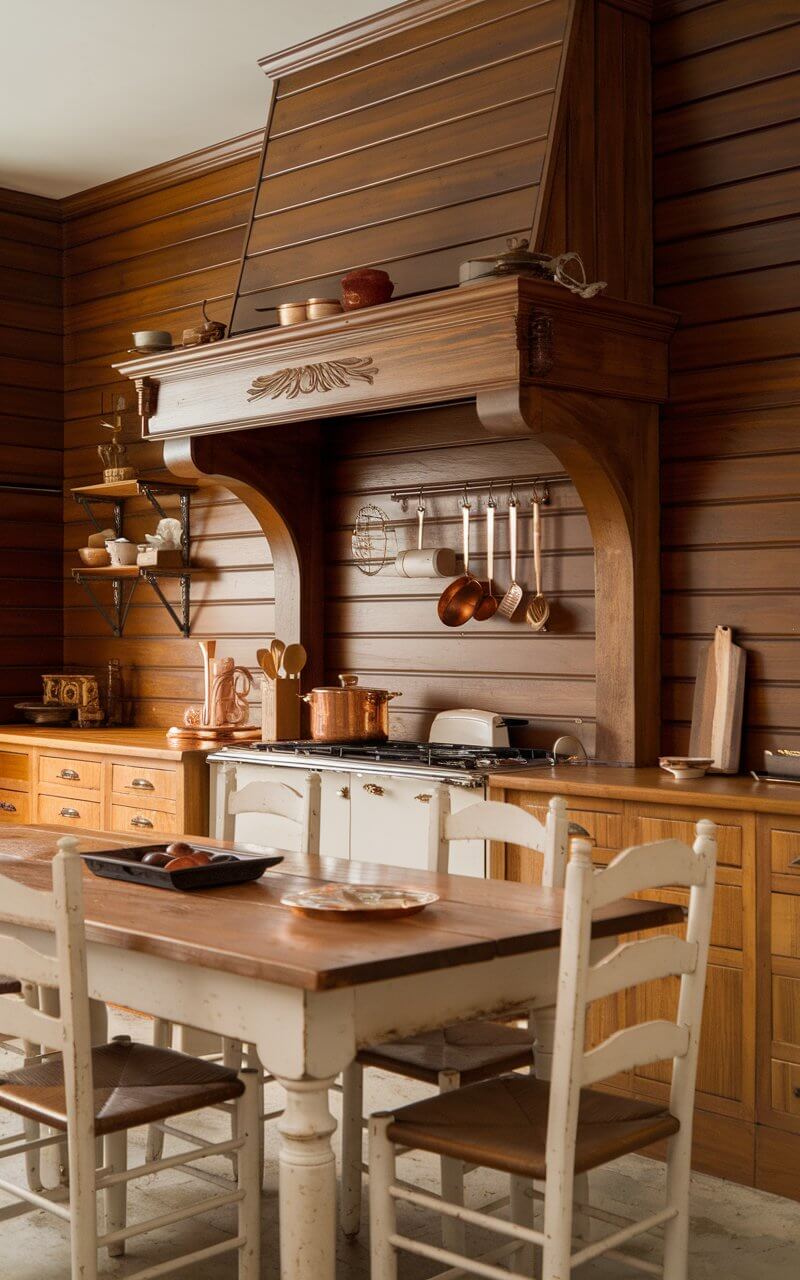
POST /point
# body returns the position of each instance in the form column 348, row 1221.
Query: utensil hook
column 540, row 494
column 465, row 504
column 491, row 502
column 512, row 496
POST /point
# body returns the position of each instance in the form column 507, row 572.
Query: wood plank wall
column 727, row 229
column 30, row 445
column 144, row 253
column 386, row 627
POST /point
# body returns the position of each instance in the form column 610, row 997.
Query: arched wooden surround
column 609, row 448
column 277, row 475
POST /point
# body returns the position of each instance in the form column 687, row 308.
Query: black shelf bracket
column 121, row 603
column 87, row 503
column 182, row 622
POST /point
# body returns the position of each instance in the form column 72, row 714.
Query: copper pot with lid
column 348, row 713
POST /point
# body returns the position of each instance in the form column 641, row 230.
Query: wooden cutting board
column 719, row 703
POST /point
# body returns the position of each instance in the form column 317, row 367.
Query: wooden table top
column 651, row 785
column 244, row 929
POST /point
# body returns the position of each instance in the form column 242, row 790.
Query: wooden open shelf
column 140, row 488
column 110, row 572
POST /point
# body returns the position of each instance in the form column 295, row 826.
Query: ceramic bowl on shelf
column 122, row 552
column 685, row 767
column 94, row 557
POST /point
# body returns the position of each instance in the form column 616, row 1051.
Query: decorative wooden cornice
column 159, row 176
column 354, row 35
column 456, row 344
column 28, row 205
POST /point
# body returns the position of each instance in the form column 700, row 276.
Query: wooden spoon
column 208, row 648
column 538, row 610
column 458, row 601
column 277, row 649
column 487, row 605
column 266, row 663
column 294, row 659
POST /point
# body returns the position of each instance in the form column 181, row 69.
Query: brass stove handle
column 373, row 789
column 424, row 797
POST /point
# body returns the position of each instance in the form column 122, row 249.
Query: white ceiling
column 94, row 89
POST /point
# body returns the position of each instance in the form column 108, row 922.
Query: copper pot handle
column 348, row 681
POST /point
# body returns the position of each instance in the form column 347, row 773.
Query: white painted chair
column 466, row 1052
column 81, row 1092
column 532, row 1130
column 294, row 814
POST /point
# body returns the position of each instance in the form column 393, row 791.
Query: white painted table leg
column 307, row 1187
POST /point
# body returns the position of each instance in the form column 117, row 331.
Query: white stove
column 375, row 796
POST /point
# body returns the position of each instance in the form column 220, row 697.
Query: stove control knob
column 424, row 797
column 373, row 789
column 343, row 793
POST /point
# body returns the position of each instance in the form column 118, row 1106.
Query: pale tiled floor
column 738, row 1234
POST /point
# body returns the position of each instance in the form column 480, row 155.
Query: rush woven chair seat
column 473, row 1049
column 10, row 987
column 552, row 1132
column 502, row 1124
column 133, row 1084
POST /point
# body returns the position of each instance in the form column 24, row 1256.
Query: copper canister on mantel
column 348, row 713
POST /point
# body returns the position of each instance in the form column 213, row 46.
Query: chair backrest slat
column 295, row 811
column 505, row 823
column 19, row 1021
column 648, row 866
column 635, row 962
column 18, row 960
column 25, row 905
column 636, row 1046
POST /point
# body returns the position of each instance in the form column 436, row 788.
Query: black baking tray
column 127, row 865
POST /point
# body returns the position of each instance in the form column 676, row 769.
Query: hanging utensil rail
column 404, row 493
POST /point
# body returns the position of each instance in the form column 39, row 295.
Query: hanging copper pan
column 460, row 598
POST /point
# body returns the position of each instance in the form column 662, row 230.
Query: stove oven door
column 389, row 823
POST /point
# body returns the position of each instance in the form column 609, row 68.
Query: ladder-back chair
column 532, row 1129
column 89, row 1093
column 464, row 1052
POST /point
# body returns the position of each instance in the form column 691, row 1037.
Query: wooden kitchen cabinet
column 747, row 1118
column 130, row 781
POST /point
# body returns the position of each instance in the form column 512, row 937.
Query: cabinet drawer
column 70, row 809
column 69, row 773
column 14, row 770
column 785, row 925
column 134, row 820
column 15, row 806
column 650, row 826
column 786, row 1087
column 726, row 924
column 604, row 825
column 784, row 848
column 144, row 784
column 786, row 1010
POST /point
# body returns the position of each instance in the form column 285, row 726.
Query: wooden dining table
column 308, row 993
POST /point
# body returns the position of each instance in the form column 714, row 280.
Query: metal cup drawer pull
column 142, row 784
column 68, row 813
column 7, row 806
column 138, row 821
column 373, row 789
column 70, row 775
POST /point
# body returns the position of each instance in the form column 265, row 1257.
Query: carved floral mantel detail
column 305, row 379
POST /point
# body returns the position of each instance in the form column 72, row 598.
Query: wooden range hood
column 585, row 377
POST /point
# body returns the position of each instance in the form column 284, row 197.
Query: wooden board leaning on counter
column 748, row 1085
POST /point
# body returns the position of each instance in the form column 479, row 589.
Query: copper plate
column 358, row 902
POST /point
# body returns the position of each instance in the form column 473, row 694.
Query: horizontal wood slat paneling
column 727, row 218
column 31, row 438
column 412, row 120
column 386, row 628
column 149, row 262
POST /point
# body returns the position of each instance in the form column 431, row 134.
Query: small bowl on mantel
column 685, row 767
column 45, row 712
column 94, row 557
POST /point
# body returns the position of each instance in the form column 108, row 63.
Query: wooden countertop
column 152, row 743
column 244, row 929
column 655, row 786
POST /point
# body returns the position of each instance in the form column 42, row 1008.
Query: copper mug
column 348, row 713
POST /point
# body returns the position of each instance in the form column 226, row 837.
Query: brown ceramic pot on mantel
column 366, row 287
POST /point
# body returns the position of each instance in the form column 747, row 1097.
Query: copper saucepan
column 348, row 713
column 458, row 601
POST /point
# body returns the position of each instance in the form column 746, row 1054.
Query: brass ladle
column 487, row 605
column 538, row 610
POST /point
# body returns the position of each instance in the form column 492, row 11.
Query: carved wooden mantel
column 585, row 376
